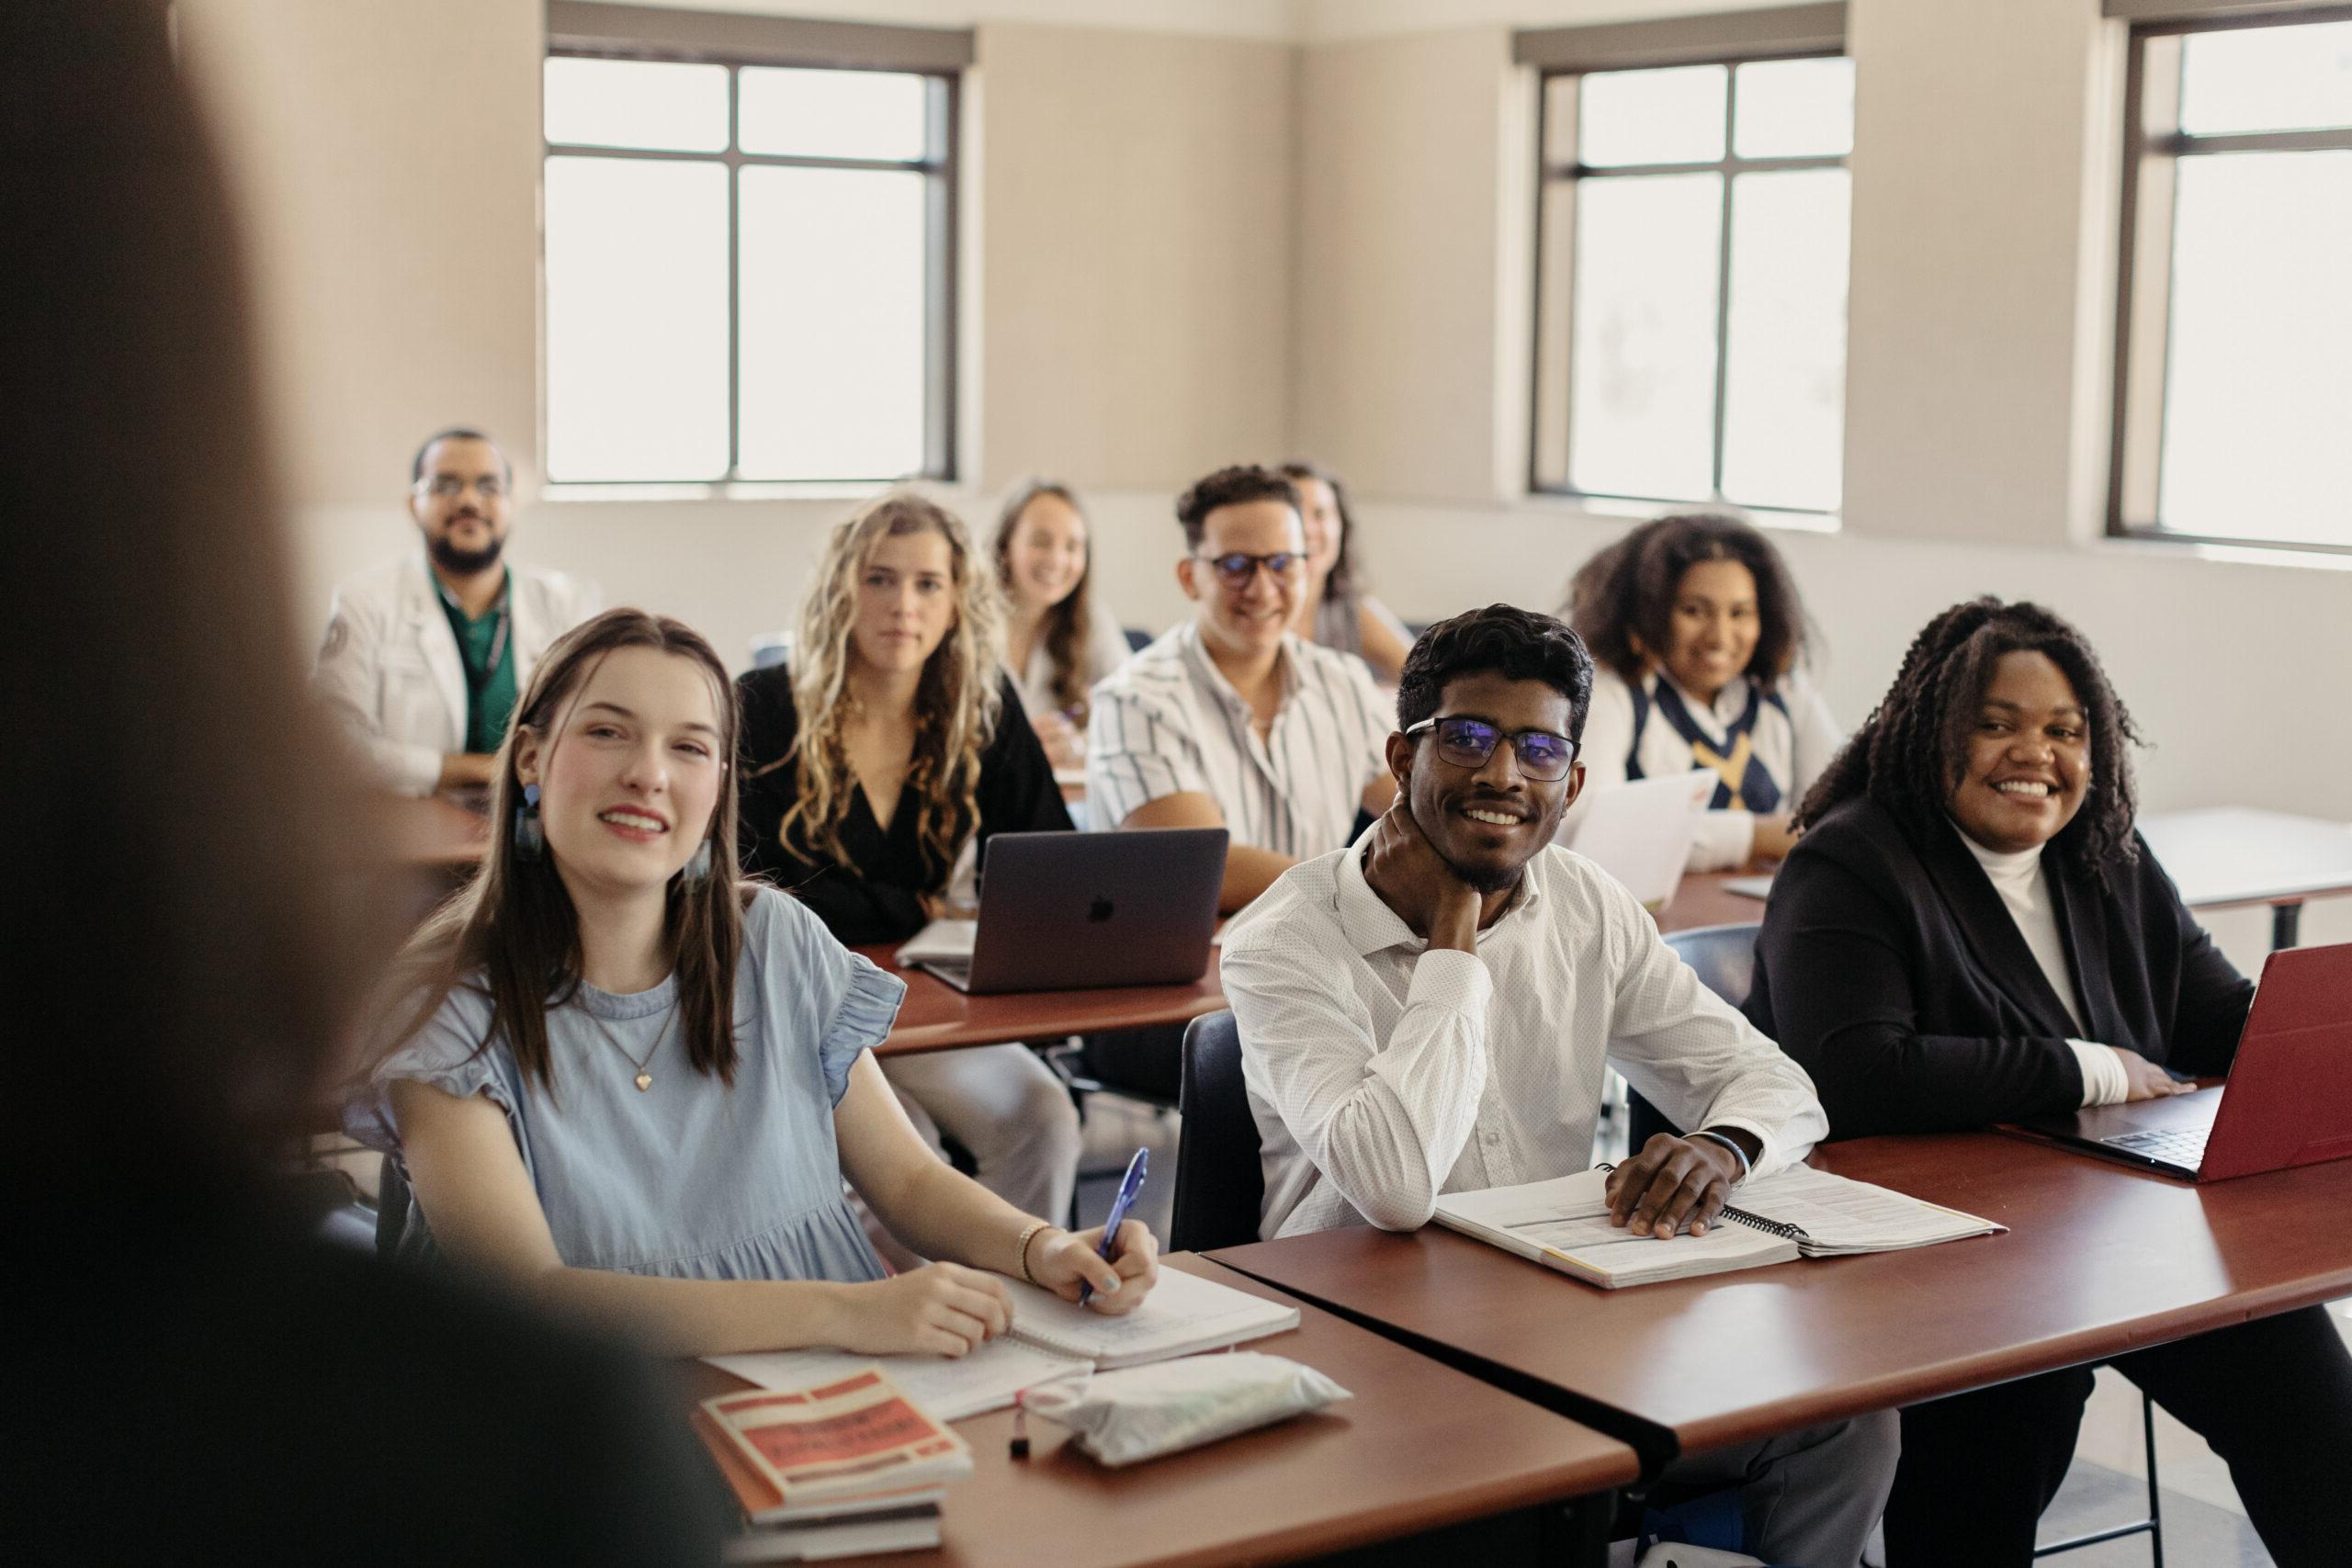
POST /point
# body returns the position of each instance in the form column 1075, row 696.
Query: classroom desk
column 1419, row 1449
column 2099, row 1259
column 1700, row 899
column 2220, row 857
column 2225, row 857
column 937, row 1017
column 434, row 832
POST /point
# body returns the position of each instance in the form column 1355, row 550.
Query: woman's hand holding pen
column 1061, row 1260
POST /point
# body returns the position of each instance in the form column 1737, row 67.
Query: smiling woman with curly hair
column 1970, row 931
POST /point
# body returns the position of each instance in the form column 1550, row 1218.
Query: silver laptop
column 1640, row 832
column 1075, row 911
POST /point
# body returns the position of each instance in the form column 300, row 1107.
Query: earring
column 530, row 839
column 698, row 870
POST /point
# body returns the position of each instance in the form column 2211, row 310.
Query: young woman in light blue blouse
column 632, row 1086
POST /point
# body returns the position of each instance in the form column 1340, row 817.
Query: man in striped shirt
column 1229, row 720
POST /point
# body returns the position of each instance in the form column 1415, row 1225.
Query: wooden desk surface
column 435, row 831
column 1700, row 899
column 937, row 1017
column 1419, row 1447
column 2098, row 1260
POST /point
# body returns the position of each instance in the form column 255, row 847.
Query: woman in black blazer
column 1971, row 930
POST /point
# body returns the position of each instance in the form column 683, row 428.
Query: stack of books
column 841, row 1468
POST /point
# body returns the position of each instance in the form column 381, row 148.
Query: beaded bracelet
column 1026, row 1238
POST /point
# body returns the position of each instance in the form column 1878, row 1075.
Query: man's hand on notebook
column 1671, row 1184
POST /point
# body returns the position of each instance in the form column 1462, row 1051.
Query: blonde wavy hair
column 956, row 703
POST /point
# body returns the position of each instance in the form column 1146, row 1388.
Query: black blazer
column 881, row 900
column 1894, row 974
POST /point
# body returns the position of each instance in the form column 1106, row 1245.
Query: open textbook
column 1050, row 1339
column 1799, row 1212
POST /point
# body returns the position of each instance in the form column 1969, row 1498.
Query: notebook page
column 1568, row 1216
column 947, row 1390
column 1183, row 1314
column 1838, row 1215
column 939, row 942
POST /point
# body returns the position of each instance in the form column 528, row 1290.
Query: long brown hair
column 956, row 701
column 180, row 791
column 1068, row 626
column 513, row 934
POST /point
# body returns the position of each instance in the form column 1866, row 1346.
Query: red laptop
column 2287, row 1102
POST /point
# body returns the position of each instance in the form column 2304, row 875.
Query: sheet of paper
column 1842, row 1215
column 949, row 1390
column 1596, row 1241
column 939, row 940
column 1182, row 1314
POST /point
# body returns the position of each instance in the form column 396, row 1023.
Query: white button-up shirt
column 1170, row 723
column 1382, row 1074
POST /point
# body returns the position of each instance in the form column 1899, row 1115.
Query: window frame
column 941, row 165
column 2137, row 412
column 1560, row 403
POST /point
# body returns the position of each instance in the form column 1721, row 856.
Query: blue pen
column 1129, row 1185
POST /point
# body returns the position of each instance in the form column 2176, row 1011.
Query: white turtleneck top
column 2024, row 888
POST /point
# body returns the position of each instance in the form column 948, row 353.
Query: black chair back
column 1219, row 1183
column 1725, row 959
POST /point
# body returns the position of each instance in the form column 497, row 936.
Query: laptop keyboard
column 2182, row 1147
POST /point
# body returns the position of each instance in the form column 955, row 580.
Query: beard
column 1484, row 879
column 464, row 563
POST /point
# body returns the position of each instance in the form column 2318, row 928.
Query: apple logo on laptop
column 1099, row 910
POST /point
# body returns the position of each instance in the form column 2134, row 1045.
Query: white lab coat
column 389, row 670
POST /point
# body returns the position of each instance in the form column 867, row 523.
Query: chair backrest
column 1219, row 1186
column 1725, row 959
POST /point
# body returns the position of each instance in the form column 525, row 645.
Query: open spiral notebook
column 1563, row 1224
column 1050, row 1338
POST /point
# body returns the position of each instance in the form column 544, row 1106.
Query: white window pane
column 636, row 103
column 1652, row 117
column 833, row 114
column 832, row 324
column 2258, row 379
column 1784, row 388
column 1642, row 398
column 637, row 319
column 2267, row 79
column 1791, row 108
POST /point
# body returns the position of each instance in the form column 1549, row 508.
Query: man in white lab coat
column 424, row 656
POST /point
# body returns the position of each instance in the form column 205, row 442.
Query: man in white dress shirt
column 426, row 656
column 1430, row 1013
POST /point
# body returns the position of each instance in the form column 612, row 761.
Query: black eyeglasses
column 1468, row 742
column 1238, row 570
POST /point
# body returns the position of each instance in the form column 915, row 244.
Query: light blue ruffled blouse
column 689, row 1180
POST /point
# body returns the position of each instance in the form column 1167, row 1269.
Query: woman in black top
column 914, row 750
column 1971, row 930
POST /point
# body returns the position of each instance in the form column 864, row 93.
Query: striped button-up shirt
column 1382, row 1074
column 1168, row 723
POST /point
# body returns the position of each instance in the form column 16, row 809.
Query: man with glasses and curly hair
column 1229, row 720
column 424, row 656
column 1430, row 1011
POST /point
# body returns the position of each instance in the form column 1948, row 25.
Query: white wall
column 1201, row 234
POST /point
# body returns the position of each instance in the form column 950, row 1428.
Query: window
column 2234, row 340
column 748, row 263
column 1690, row 280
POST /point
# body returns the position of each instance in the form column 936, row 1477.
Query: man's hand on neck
column 1411, row 878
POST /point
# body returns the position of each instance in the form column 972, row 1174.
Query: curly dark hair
column 1234, row 486
column 1909, row 754
column 1519, row 645
column 1342, row 586
column 1623, row 599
